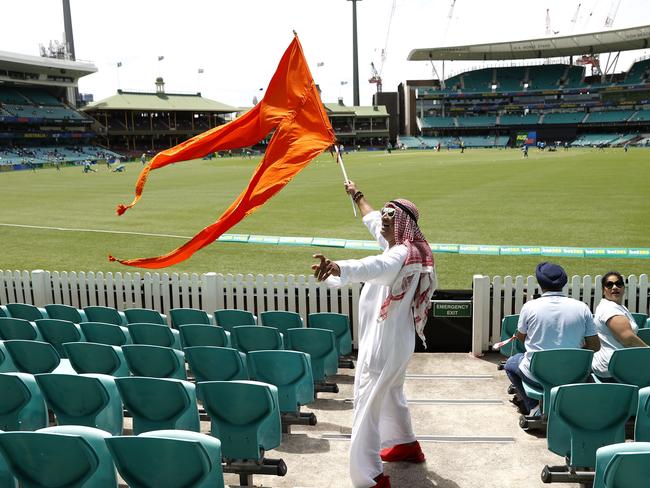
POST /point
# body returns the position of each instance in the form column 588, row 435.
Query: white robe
column 381, row 415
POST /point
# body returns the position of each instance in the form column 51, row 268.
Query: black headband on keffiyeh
column 419, row 261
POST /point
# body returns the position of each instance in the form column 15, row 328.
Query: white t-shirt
column 553, row 321
column 605, row 310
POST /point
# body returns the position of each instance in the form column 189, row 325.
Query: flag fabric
column 292, row 107
column 160, row 58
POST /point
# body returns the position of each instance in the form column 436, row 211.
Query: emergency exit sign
column 452, row 308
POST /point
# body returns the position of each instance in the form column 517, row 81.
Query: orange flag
column 292, row 107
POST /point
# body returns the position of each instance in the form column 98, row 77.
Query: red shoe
column 409, row 453
column 382, row 481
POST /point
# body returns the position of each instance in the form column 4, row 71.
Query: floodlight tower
column 355, row 54
column 67, row 22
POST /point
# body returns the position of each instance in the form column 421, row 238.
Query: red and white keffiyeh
column 419, row 265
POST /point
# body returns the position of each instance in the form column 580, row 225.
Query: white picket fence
column 497, row 297
column 164, row 291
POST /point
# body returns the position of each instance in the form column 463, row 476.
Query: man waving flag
column 292, row 107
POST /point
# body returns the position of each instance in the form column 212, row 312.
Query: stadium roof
column 360, row 111
column 550, row 47
column 39, row 64
column 160, row 102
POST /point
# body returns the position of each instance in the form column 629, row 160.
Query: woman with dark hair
column 615, row 325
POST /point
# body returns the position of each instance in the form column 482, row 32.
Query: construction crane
column 549, row 31
column 613, row 10
column 574, row 20
column 375, row 74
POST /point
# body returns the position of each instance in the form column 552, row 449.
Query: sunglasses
column 388, row 212
column 610, row 284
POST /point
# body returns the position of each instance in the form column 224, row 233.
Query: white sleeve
column 381, row 269
column 372, row 220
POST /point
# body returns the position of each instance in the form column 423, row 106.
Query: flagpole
column 345, row 175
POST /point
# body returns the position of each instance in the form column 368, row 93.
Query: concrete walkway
column 461, row 415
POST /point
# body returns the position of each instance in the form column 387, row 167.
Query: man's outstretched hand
column 325, row 268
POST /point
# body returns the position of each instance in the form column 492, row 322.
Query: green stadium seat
column 193, row 335
column 210, row 363
column 12, row 328
column 551, row 368
column 184, row 316
column 583, row 418
column 151, row 459
column 339, row 324
column 25, row 311
column 57, row 332
column 155, row 335
column 90, row 357
column 88, row 399
column 3, row 311
column 106, row 315
column 60, row 457
column 66, row 312
column 229, row 318
column 7, row 480
column 642, row 421
column 22, row 406
column 6, row 363
column 290, row 372
column 248, row 338
column 625, row 465
column 155, row 361
column 320, row 344
column 631, row 366
column 35, row 357
column 245, row 417
column 640, row 319
column 106, row 333
column 160, row 403
column 508, row 329
column 144, row 315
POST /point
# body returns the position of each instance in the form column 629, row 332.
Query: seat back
column 508, row 329
column 281, row 320
column 155, row 335
column 89, row 357
column 106, row 315
column 320, row 344
column 106, row 333
column 229, row 318
column 91, row 400
column 644, row 335
column 640, row 319
column 289, row 371
column 631, row 366
column 33, row 357
column 57, row 332
column 65, row 312
column 12, row 328
column 642, row 421
column 184, row 316
column 152, row 459
column 6, row 363
column 25, row 311
column 210, row 363
column 160, row 403
column 7, row 479
column 585, row 417
column 339, row 324
column 22, row 406
column 555, row 367
column 245, row 417
column 204, row 335
column 155, row 361
column 60, row 457
column 623, row 475
column 248, row 338
column 144, row 316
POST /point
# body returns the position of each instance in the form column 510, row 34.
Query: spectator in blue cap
column 552, row 321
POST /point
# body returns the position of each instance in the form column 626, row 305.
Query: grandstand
column 39, row 124
column 558, row 99
column 359, row 125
